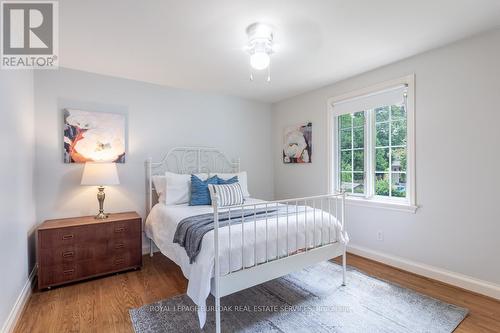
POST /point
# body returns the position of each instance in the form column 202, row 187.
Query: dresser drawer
column 128, row 259
column 73, row 253
column 61, row 237
column 122, row 245
column 119, row 261
column 57, row 274
column 125, row 229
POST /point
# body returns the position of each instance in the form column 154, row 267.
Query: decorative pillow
column 178, row 187
column 200, row 195
column 221, row 181
column 242, row 179
column 228, row 194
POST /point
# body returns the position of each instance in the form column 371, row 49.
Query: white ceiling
column 197, row 44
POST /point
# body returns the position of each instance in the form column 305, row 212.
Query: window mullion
column 337, row 147
column 409, row 149
column 352, row 155
column 390, row 151
column 369, row 153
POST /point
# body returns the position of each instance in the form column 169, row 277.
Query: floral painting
column 297, row 144
column 93, row 137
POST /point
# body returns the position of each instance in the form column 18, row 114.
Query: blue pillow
column 200, row 195
column 221, row 181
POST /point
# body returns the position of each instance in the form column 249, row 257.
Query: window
column 372, row 146
column 390, row 150
column 351, row 134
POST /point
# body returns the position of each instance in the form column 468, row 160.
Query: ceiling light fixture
column 260, row 48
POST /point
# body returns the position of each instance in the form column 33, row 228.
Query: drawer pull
column 68, row 272
column 120, row 229
column 68, row 254
column 119, row 261
column 66, row 237
column 119, row 246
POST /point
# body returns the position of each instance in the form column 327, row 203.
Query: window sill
column 384, row 204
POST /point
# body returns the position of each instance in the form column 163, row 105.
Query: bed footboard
column 313, row 229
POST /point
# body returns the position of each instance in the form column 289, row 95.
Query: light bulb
column 260, row 60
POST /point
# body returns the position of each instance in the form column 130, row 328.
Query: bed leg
column 344, row 264
column 151, row 248
column 217, row 314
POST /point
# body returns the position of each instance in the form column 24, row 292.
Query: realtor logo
column 29, row 34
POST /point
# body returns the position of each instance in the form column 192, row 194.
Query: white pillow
column 160, row 184
column 179, row 187
column 242, row 179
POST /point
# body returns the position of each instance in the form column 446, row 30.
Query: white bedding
column 162, row 222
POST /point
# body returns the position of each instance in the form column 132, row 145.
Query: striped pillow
column 227, row 194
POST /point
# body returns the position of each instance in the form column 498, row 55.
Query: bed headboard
column 187, row 160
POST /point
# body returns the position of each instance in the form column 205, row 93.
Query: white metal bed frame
column 200, row 159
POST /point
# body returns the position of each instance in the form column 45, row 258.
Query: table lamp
column 100, row 174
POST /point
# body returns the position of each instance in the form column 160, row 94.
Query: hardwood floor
column 101, row 305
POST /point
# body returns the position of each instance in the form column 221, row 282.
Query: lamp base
column 100, row 197
column 101, row 216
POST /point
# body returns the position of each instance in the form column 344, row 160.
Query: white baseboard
column 20, row 303
column 456, row 279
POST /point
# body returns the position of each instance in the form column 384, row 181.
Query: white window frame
column 408, row 204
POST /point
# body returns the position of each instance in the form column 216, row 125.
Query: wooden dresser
column 78, row 248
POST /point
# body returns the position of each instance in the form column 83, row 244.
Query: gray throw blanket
column 190, row 231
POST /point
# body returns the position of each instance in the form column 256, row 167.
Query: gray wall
column 17, row 206
column 457, row 117
column 159, row 118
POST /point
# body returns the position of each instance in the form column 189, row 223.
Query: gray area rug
column 311, row 300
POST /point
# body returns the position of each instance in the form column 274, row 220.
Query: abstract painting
column 93, row 137
column 297, row 144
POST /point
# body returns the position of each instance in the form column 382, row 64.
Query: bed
column 250, row 243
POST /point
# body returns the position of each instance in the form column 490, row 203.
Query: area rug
column 311, row 300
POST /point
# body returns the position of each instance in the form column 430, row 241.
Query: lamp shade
column 99, row 174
